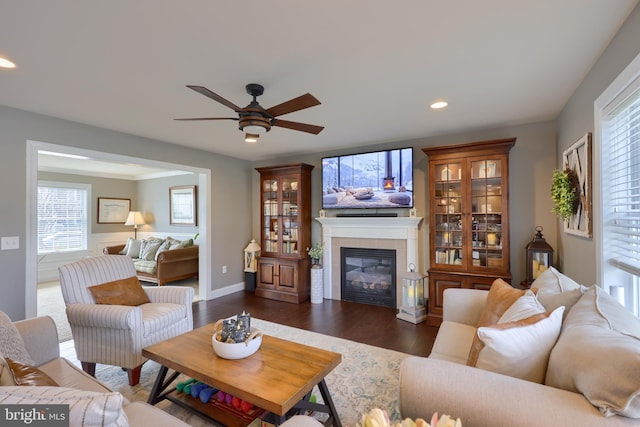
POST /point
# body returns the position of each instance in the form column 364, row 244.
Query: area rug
column 51, row 303
column 367, row 377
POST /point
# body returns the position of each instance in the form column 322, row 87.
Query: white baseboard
column 217, row 293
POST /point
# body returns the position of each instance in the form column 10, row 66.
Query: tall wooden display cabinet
column 285, row 223
column 468, row 218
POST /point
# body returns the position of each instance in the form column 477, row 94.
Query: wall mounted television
column 372, row 180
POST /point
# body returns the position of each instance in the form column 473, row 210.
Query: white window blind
column 63, row 212
column 621, row 173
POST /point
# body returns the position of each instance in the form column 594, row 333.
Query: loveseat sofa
column 166, row 260
column 91, row 403
column 588, row 361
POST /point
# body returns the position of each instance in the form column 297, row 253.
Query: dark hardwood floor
column 362, row 323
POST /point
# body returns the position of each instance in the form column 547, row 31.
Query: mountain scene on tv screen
column 382, row 179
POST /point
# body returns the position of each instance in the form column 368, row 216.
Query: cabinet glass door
column 290, row 216
column 270, row 215
column 486, row 212
column 448, row 214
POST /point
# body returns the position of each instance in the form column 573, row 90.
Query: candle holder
column 539, row 258
column 412, row 309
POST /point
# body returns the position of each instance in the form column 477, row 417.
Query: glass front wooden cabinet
column 469, row 218
column 283, row 267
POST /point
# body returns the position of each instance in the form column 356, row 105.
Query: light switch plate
column 11, row 242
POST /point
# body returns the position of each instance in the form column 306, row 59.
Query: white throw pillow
column 522, row 351
column 554, row 281
column 133, row 248
column 86, row 408
column 525, row 306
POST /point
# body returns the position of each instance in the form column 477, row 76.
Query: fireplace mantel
column 376, row 228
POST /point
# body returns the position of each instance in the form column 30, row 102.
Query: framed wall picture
column 183, row 207
column 113, row 211
column 578, row 159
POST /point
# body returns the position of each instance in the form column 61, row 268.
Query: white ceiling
column 82, row 165
column 375, row 65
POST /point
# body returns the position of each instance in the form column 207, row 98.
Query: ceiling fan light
column 251, row 138
column 254, row 129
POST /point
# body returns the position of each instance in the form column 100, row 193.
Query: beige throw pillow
column 11, row 343
column 554, row 281
column 598, row 355
column 520, row 349
column 6, row 378
column 120, row 292
column 551, row 299
column 148, row 249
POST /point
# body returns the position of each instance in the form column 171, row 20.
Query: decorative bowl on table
column 237, row 350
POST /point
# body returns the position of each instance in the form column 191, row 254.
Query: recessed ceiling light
column 5, row 63
column 437, row 105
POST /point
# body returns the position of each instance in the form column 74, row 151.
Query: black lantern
column 539, row 257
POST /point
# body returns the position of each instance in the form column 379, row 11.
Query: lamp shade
column 135, row 218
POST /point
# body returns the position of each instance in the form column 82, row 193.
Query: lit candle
column 491, row 239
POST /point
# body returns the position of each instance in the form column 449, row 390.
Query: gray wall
column 230, row 207
column 531, row 161
column 577, row 118
column 100, row 187
column 153, row 200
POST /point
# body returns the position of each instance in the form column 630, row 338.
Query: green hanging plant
column 565, row 190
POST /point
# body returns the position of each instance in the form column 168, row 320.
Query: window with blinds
column 63, row 217
column 620, row 150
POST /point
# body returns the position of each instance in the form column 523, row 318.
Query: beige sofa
column 585, row 372
column 41, row 342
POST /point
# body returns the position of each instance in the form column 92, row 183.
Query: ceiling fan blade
column 296, row 104
column 302, row 127
column 208, row 118
column 206, row 92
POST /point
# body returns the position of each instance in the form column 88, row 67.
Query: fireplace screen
column 368, row 276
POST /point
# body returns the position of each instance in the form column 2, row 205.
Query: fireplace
column 368, row 276
column 399, row 234
column 388, row 183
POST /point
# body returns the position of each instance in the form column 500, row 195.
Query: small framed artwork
column 113, row 211
column 577, row 158
column 183, row 206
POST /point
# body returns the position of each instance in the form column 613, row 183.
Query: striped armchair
column 116, row 334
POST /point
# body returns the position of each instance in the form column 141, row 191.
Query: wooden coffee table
column 279, row 377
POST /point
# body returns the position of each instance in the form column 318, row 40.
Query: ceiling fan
column 255, row 120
